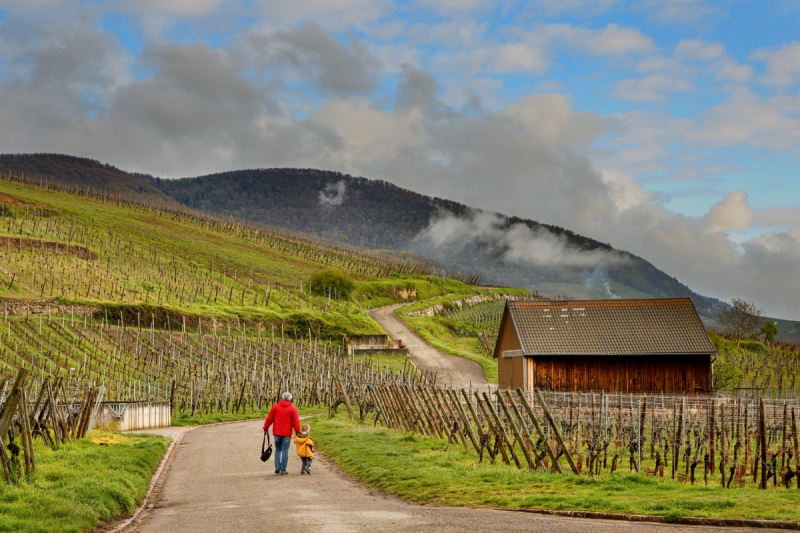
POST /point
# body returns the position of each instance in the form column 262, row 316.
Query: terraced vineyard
column 174, row 304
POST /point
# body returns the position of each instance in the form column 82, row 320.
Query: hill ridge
column 370, row 214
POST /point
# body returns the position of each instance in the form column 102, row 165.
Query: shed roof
column 609, row 327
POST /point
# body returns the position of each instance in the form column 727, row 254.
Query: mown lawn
column 83, row 484
column 418, row 469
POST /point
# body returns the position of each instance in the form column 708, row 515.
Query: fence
column 735, row 440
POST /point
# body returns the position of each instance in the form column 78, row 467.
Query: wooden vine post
column 762, row 437
column 539, row 431
column 556, row 432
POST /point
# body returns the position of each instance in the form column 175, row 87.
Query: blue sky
column 669, row 128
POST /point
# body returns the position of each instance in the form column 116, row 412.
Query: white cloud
column 680, row 11
column 518, row 242
column 653, row 88
column 783, row 64
column 731, row 213
column 699, row 50
column 303, row 97
column 624, row 190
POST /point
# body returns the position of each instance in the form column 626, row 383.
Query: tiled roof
column 610, row 327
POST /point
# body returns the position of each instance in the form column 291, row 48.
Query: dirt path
column 216, row 483
column 451, row 371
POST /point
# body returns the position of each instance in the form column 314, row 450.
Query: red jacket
column 283, row 418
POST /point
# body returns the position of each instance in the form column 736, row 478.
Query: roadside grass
column 419, row 469
column 442, row 338
column 395, row 363
column 82, row 484
column 200, row 419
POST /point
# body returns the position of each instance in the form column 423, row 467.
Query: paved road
column 216, row 483
column 451, row 371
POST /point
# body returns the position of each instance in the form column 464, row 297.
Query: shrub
column 332, row 282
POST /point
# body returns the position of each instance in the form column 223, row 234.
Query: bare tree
column 742, row 319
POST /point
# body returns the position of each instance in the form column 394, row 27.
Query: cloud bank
column 297, row 94
column 520, row 243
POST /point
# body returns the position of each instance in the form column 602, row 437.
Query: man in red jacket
column 283, row 418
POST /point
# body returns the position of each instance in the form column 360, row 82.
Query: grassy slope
column 418, row 469
column 442, row 338
column 447, row 336
column 82, row 484
column 190, row 249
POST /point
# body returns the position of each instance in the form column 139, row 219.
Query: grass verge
column 185, row 420
column 82, row 484
column 442, row 338
column 420, row 470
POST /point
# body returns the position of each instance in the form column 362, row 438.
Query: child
column 305, row 448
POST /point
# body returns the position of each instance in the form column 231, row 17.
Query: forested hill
column 84, row 172
column 369, row 213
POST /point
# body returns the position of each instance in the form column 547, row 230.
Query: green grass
column 82, row 484
column 752, row 364
column 441, row 337
column 185, row 419
column 418, row 469
column 457, row 336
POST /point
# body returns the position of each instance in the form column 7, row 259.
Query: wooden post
column 723, row 444
column 523, row 427
column 10, row 407
column 500, row 430
column 464, row 420
column 30, row 457
column 345, row 397
column 493, row 430
column 712, row 435
column 762, row 436
column 539, row 430
column 379, row 406
column 515, row 430
column 556, row 432
column 796, row 447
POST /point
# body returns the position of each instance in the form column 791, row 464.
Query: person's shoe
column 277, row 471
column 308, row 472
column 302, row 472
column 284, row 473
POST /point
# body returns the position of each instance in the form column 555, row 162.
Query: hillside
column 82, row 172
column 372, row 214
column 103, row 290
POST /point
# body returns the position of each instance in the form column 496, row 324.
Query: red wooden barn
column 655, row 345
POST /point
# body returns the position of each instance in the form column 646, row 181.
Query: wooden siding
column 669, row 374
column 509, row 369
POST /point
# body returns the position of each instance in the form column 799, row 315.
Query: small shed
column 655, row 345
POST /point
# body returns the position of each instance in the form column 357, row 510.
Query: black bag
column 266, row 454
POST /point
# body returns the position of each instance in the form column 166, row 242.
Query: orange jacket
column 304, row 444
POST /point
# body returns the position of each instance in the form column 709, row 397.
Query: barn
column 656, row 345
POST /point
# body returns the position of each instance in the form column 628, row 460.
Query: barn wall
column 671, row 374
column 509, row 369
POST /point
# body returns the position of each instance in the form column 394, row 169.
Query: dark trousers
column 306, row 463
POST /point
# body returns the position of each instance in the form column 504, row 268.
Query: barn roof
column 610, row 327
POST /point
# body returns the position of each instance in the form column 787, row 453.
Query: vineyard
column 732, row 442
column 106, row 299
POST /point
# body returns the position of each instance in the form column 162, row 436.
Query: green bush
column 332, row 282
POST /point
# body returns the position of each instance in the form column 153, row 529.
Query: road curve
column 451, row 371
column 216, row 483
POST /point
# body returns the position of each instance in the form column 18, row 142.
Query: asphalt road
column 451, row 371
column 217, row 483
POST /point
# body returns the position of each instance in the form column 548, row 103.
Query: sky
column 667, row 128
